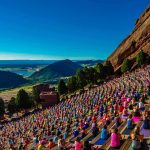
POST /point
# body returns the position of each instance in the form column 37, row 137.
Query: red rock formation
column 48, row 95
column 137, row 40
column 48, row 98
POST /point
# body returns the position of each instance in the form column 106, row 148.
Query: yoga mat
column 128, row 131
column 145, row 132
column 121, row 142
column 111, row 148
column 124, row 117
column 100, row 142
column 130, row 148
column 130, row 110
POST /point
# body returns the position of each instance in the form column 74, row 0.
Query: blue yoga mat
column 128, row 131
column 100, row 142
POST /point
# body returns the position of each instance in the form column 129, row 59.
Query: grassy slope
column 7, row 94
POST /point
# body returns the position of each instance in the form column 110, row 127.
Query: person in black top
column 95, row 131
column 87, row 146
column 137, row 113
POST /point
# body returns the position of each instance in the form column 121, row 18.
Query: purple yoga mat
column 124, row 117
column 145, row 132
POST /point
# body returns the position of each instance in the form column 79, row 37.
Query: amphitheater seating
column 120, row 87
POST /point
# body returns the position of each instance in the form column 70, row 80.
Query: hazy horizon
column 76, row 59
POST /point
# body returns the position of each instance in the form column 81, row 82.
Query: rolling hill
column 138, row 40
column 10, row 80
column 56, row 70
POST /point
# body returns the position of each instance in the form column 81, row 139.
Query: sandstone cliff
column 137, row 40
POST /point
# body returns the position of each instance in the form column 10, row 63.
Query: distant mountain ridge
column 56, row 70
column 11, row 80
column 25, row 62
column 28, row 63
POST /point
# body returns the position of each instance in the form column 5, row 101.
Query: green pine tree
column 81, row 80
column 140, row 58
column 23, row 99
column 2, row 107
column 126, row 66
column 12, row 106
column 72, row 84
column 101, row 71
column 109, row 69
column 62, row 88
column 36, row 95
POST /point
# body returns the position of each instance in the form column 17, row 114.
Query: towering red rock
column 138, row 40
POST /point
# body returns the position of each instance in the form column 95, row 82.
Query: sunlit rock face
column 138, row 40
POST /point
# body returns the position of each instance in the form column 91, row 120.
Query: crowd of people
column 124, row 97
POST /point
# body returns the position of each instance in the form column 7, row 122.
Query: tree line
column 86, row 76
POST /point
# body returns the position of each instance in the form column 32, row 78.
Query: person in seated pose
column 141, row 105
column 35, row 140
column 130, row 108
column 130, row 122
column 60, row 145
column 111, row 110
column 104, row 133
column 146, row 123
column 76, row 133
column 78, row 144
column 93, row 124
column 51, row 144
column 65, row 134
column 115, row 138
column 125, row 112
column 101, row 114
column 107, row 121
column 83, row 133
column 94, row 118
column 40, row 147
column 95, row 131
column 117, row 122
column 137, row 139
column 137, row 113
column 89, row 118
column 81, row 124
column 147, row 114
column 125, row 104
column 55, row 138
column 86, row 125
column 87, row 146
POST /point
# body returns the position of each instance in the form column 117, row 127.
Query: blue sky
column 60, row 29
